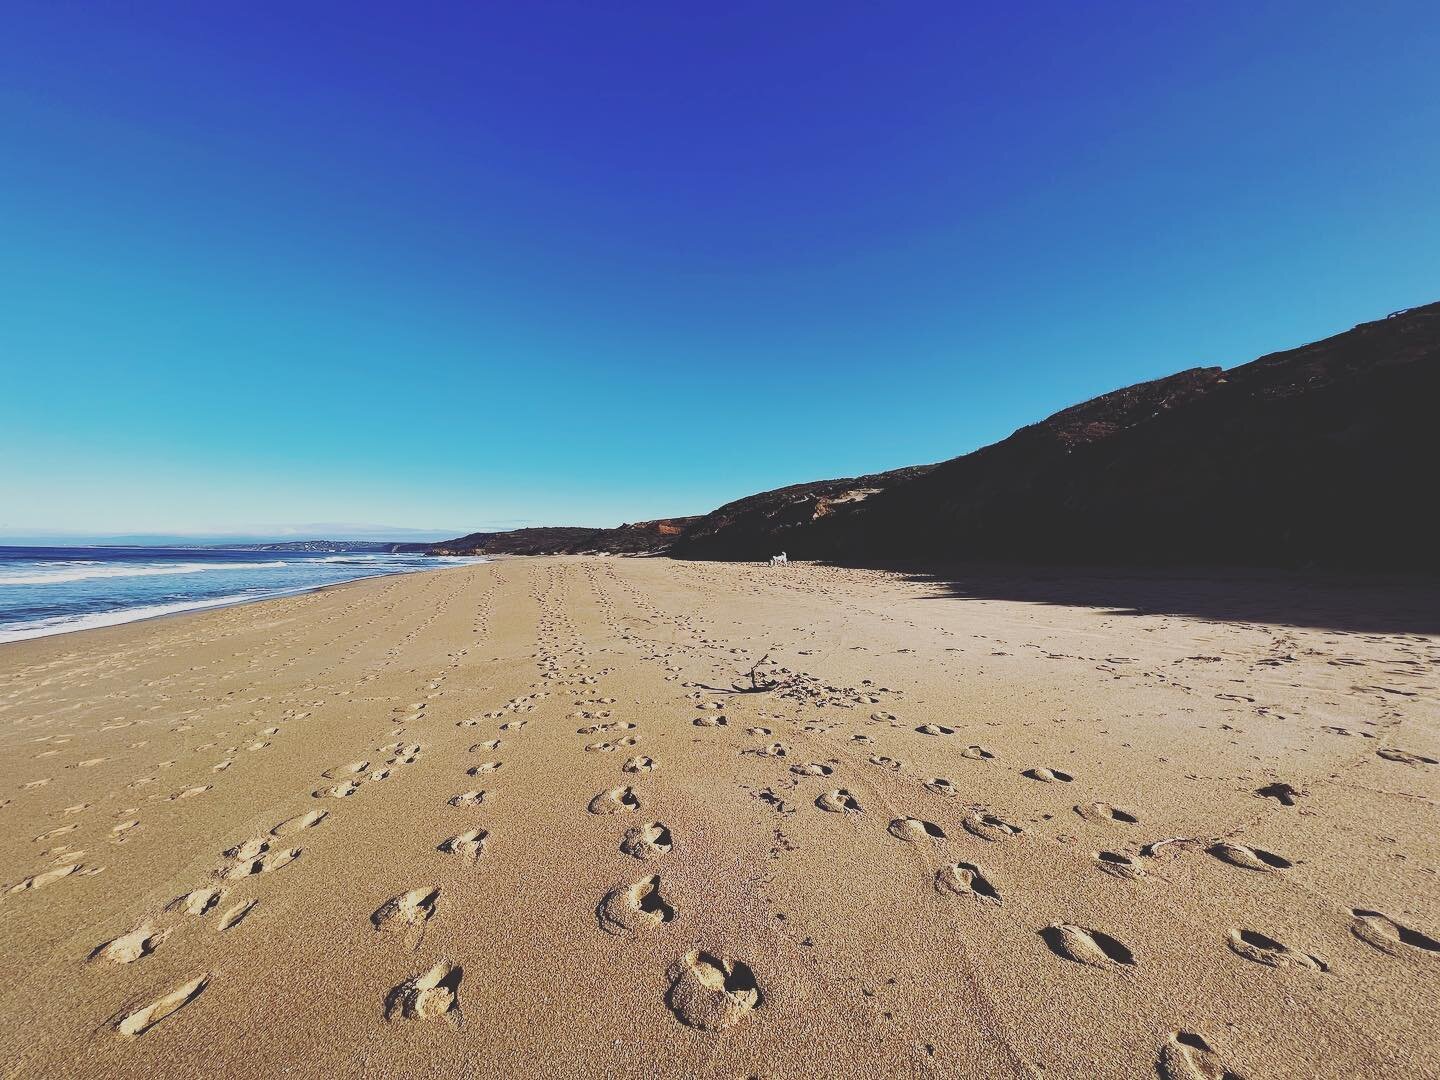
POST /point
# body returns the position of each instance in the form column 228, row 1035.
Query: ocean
column 45, row 590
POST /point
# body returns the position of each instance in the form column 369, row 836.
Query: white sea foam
column 271, row 585
column 64, row 624
column 58, row 573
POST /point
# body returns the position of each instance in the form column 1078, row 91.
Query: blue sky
column 447, row 266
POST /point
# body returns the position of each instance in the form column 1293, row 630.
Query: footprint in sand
column 489, row 744
column 712, row 993
column 1086, row 946
column 1048, row 776
column 615, row 801
column 1187, row 1056
column 276, row 860
column 1171, row 848
column 1406, row 757
column 406, row 910
column 1253, row 945
column 467, row 798
column 839, row 801
column 513, row 725
column 1118, row 864
column 127, row 948
column 630, row 909
column 236, row 914
column 942, row 786
column 710, row 721
column 483, row 768
column 435, row 993
column 47, row 877
column 198, row 902
column 977, row 753
column 119, row 831
column 967, row 880
column 812, row 768
column 468, row 845
column 339, row 791
column 639, row 764
column 250, row 849
column 886, row 762
column 935, row 729
column 1384, row 933
column 1103, row 813
column 596, row 729
column 990, row 826
column 342, row 772
column 1248, row 858
column 142, row 1020
column 647, row 841
column 406, row 753
column 290, row 826
column 915, row 831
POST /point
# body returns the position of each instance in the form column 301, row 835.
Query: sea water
column 46, row 590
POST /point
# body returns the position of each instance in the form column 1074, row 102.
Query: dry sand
column 508, row 820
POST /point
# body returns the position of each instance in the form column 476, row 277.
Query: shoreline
column 197, row 607
column 1419, row 611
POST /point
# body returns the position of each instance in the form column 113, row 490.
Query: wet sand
column 515, row 819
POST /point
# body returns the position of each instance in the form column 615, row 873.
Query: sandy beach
column 524, row 819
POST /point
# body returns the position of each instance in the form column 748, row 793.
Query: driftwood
column 756, row 686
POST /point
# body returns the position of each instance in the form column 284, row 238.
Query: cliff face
column 1323, row 454
column 1327, row 454
column 641, row 536
column 758, row 526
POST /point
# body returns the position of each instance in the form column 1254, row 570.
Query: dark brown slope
column 640, row 536
column 1326, row 455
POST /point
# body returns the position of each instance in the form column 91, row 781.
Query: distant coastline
column 329, row 546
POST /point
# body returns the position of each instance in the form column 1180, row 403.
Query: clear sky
column 451, row 266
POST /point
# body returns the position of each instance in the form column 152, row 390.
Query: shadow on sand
column 1353, row 604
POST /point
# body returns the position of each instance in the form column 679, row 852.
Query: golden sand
column 519, row 819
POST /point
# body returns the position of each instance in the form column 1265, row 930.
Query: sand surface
column 512, row 820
